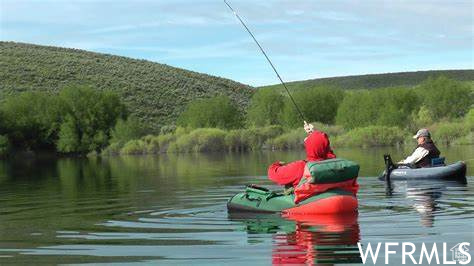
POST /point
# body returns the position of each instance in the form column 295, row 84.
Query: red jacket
column 318, row 147
column 284, row 174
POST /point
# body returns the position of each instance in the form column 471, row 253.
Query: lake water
column 171, row 210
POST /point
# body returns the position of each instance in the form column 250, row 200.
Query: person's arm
column 417, row 155
column 275, row 175
column 284, row 174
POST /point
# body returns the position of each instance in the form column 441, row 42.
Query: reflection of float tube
column 425, row 196
column 306, row 239
column 425, row 201
column 425, row 205
column 318, row 239
column 266, row 223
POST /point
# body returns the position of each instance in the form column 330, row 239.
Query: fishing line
column 268, row 59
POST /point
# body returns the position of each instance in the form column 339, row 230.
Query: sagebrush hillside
column 155, row 93
column 372, row 81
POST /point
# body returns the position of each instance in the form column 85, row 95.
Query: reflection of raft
column 258, row 199
column 305, row 239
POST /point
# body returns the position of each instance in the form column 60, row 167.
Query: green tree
column 469, row 119
column 318, row 104
column 4, row 146
column 126, row 130
column 421, row 118
column 357, row 109
column 3, row 124
column 446, row 98
column 216, row 112
column 31, row 119
column 265, row 108
column 396, row 106
column 384, row 107
column 91, row 115
column 69, row 140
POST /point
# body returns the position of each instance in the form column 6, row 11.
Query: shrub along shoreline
column 82, row 120
column 359, row 118
column 277, row 138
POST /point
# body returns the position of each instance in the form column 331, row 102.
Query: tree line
column 434, row 100
column 78, row 120
column 358, row 118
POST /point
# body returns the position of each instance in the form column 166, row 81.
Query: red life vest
column 297, row 174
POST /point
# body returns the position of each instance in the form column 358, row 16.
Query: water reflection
column 306, row 239
column 172, row 210
column 426, row 195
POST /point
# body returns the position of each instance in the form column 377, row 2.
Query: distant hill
column 155, row 93
column 373, row 81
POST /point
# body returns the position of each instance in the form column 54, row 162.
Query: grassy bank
column 277, row 138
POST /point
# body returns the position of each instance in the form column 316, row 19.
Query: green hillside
column 380, row 80
column 155, row 93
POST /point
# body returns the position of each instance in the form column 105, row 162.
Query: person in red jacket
column 290, row 175
column 317, row 148
column 286, row 174
column 317, row 145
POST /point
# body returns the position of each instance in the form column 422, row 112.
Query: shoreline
column 44, row 155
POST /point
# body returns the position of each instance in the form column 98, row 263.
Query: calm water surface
column 171, row 210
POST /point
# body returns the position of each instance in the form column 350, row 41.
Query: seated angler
column 295, row 176
column 317, row 148
column 424, row 152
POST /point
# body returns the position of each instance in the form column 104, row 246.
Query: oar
column 389, row 166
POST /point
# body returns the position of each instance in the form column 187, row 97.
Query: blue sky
column 304, row 39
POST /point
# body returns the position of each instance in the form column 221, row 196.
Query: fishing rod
column 269, row 61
